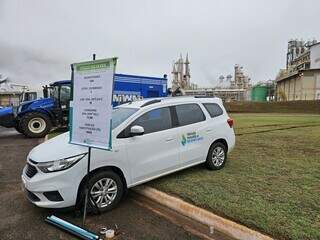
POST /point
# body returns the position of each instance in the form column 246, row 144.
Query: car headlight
column 58, row 165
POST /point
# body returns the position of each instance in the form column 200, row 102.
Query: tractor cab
column 37, row 117
column 60, row 92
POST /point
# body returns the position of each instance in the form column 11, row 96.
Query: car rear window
column 189, row 114
column 213, row 109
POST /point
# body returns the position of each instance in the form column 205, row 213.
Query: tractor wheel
column 35, row 125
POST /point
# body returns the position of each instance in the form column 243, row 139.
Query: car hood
column 56, row 148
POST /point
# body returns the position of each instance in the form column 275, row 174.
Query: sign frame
column 110, row 63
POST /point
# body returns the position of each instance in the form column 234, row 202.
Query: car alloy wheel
column 218, row 156
column 104, row 192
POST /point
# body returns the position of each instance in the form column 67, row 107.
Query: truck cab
column 29, row 96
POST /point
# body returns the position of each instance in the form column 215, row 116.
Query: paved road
column 21, row 220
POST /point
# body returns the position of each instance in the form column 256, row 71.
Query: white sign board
column 91, row 107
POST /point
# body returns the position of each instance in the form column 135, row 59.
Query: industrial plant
column 229, row 88
column 301, row 78
column 181, row 75
column 236, row 87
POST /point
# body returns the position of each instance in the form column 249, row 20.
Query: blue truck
column 38, row 117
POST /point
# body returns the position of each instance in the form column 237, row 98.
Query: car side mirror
column 136, row 131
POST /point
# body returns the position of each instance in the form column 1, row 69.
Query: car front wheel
column 217, row 156
column 106, row 190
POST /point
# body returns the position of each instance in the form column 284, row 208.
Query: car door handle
column 209, row 130
column 169, row 139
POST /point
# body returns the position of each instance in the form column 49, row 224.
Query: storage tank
column 259, row 93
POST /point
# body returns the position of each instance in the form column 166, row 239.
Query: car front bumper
column 53, row 190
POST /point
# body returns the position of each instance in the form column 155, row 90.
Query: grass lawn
column 57, row 132
column 271, row 181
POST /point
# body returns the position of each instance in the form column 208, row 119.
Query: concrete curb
column 223, row 225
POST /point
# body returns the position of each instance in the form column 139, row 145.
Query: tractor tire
column 18, row 127
column 35, row 125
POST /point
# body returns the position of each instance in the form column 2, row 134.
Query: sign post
column 91, row 108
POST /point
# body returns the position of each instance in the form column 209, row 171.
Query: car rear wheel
column 35, row 125
column 217, row 156
column 106, row 191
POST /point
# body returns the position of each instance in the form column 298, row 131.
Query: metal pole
column 87, row 183
column 86, row 189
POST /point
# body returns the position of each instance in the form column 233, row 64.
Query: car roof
column 170, row 100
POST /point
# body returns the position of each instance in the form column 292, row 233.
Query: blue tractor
column 37, row 117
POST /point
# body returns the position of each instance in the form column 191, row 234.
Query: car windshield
column 120, row 114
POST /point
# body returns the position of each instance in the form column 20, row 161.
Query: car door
column 192, row 133
column 156, row 151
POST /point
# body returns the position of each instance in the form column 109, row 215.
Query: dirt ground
column 22, row 220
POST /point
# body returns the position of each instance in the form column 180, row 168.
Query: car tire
column 217, row 156
column 111, row 189
column 35, row 125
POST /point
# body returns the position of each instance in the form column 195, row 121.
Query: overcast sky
column 40, row 39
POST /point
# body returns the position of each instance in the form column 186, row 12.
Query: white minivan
column 150, row 138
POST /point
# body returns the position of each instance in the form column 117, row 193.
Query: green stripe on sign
column 95, row 65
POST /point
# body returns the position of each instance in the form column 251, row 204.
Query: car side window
column 213, row 109
column 154, row 120
column 189, row 114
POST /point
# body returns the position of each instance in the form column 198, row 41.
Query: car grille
column 31, row 170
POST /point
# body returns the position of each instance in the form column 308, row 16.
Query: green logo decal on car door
column 191, row 138
column 183, row 140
